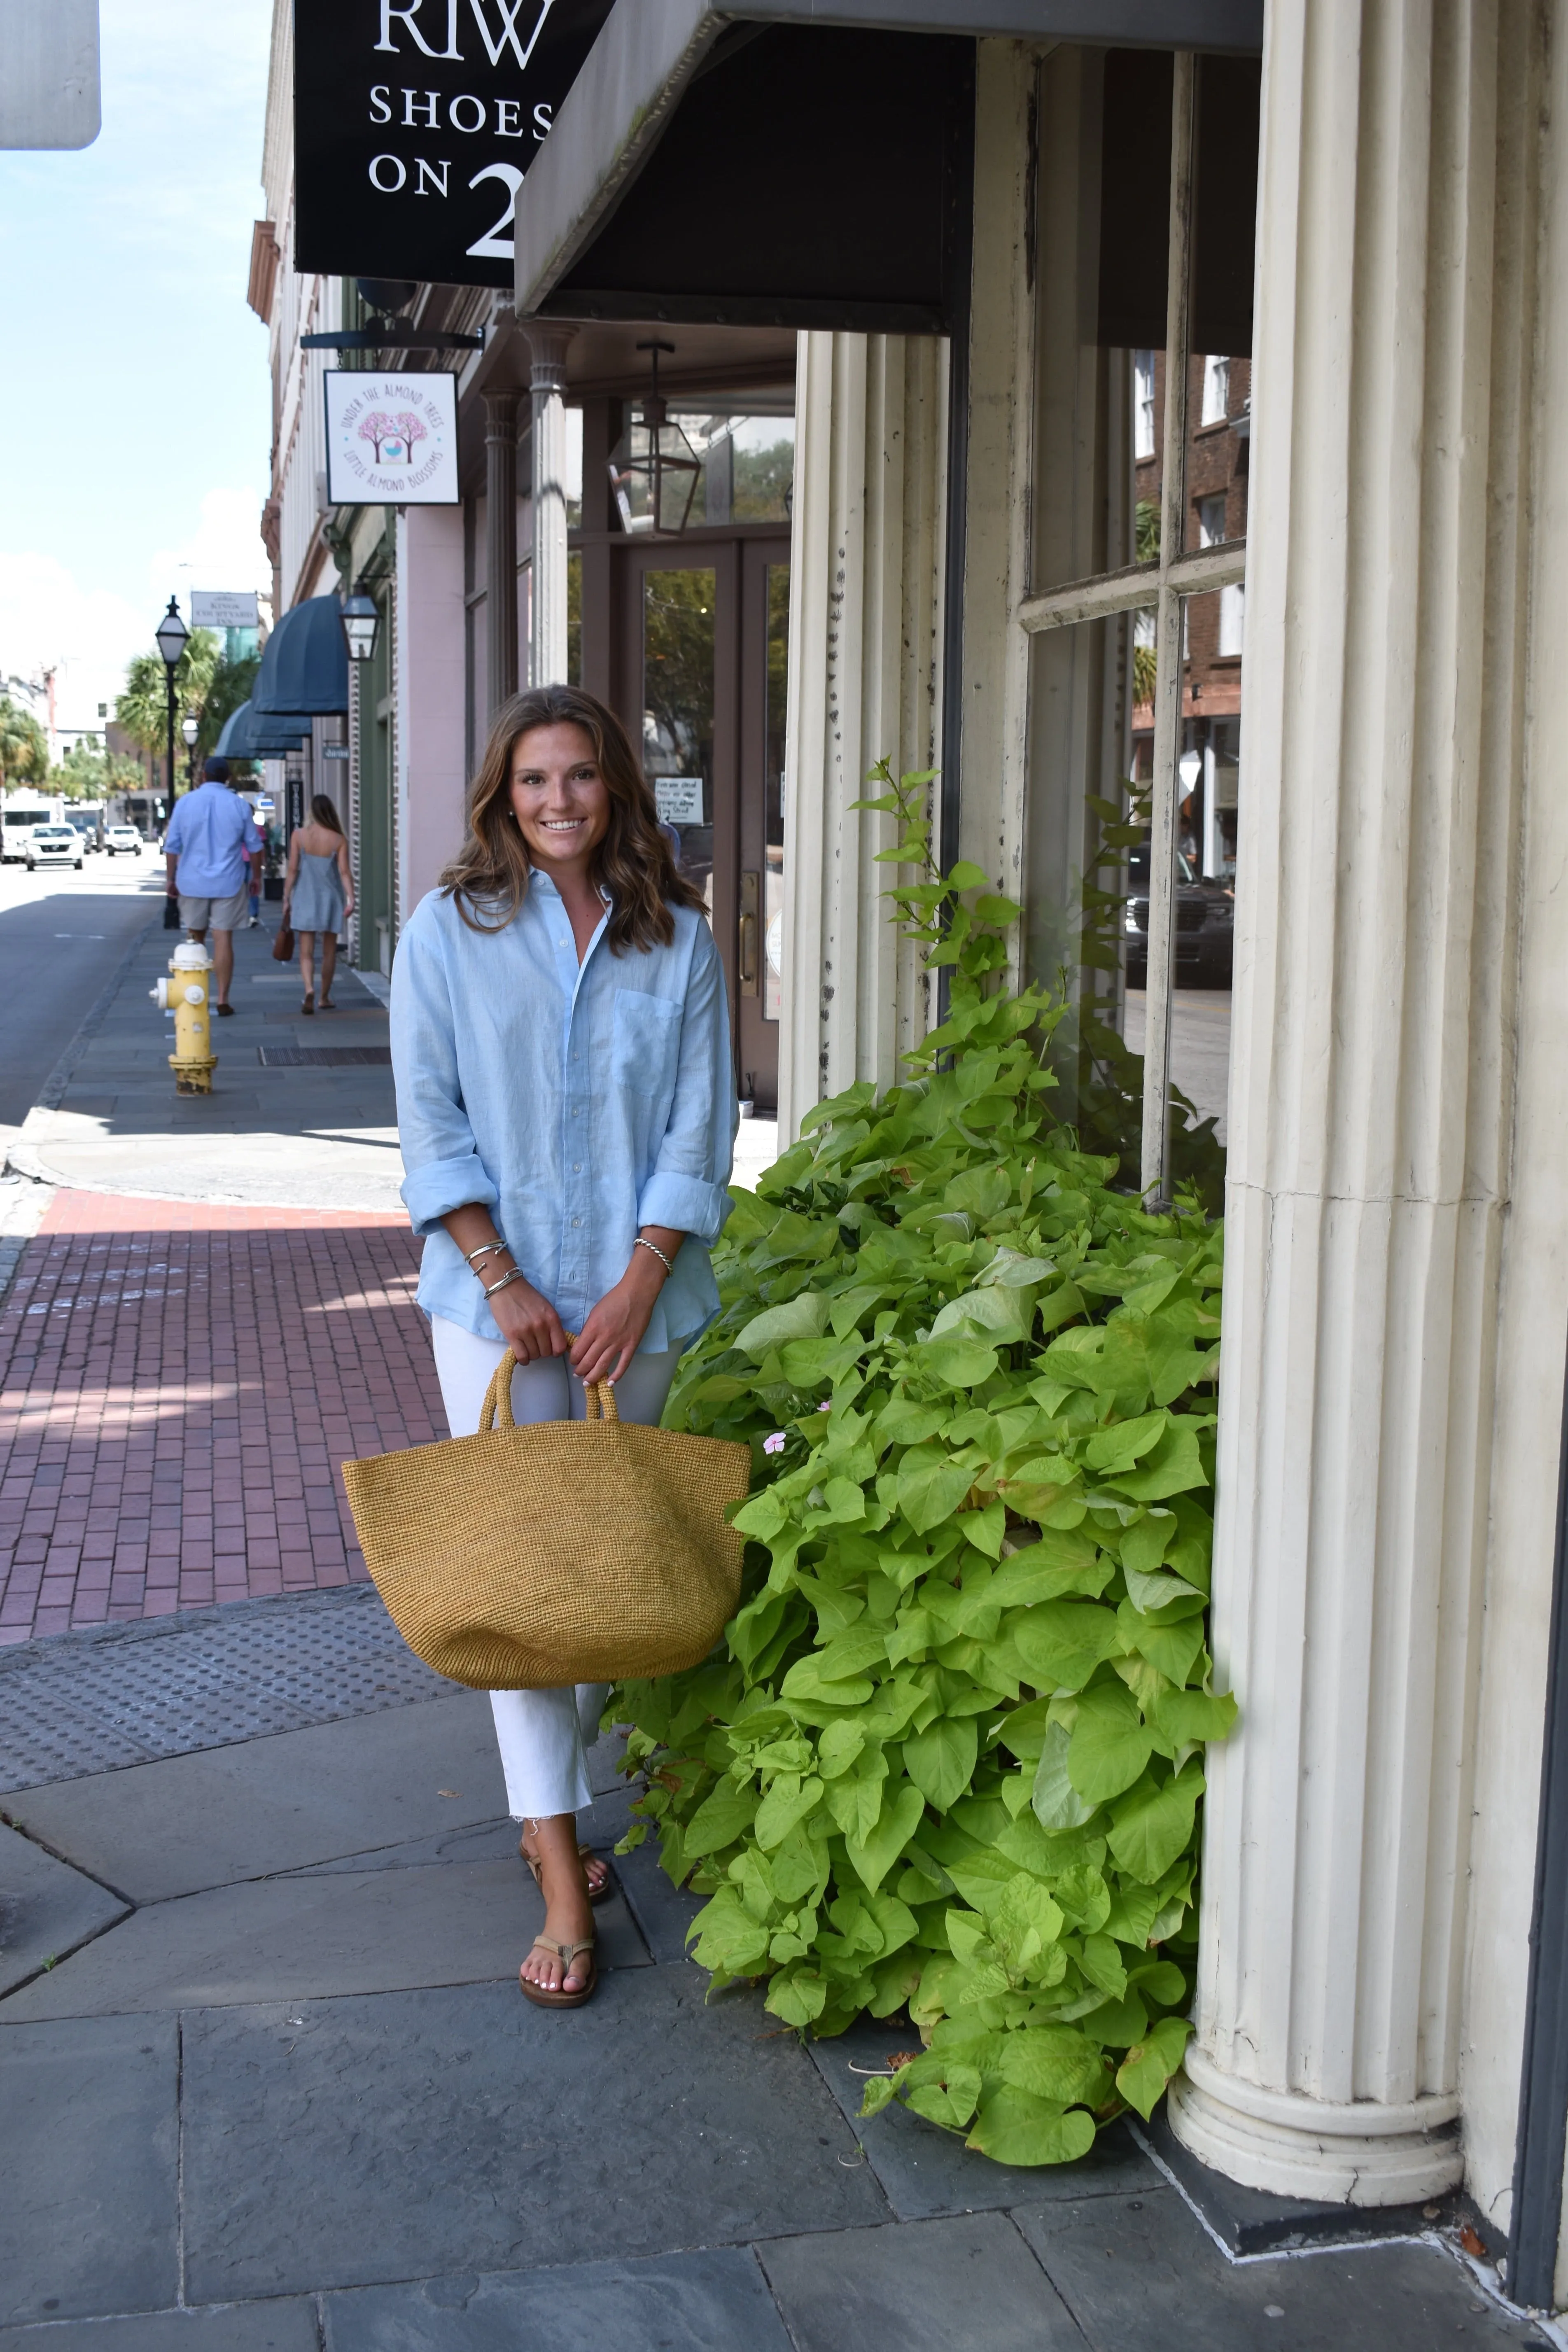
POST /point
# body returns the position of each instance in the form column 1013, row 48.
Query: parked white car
column 53, row 845
column 121, row 837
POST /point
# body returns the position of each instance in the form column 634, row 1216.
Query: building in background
column 1089, row 379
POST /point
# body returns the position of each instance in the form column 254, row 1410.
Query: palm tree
column 142, row 708
column 24, row 746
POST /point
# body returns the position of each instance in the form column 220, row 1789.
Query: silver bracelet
column 485, row 1249
column 640, row 1243
column 517, row 1275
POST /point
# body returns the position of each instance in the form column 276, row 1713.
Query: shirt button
column 576, row 1168
column 576, row 1220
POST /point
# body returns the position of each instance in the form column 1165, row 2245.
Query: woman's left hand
column 613, row 1332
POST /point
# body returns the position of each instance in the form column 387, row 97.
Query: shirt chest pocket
column 645, row 1048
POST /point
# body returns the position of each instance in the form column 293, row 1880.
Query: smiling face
column 559, row 798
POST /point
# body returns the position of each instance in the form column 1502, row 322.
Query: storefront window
column 774, row 790
column 1148, row 179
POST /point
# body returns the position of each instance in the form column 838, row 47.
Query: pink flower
column 775, row 1444
column 825, row 1406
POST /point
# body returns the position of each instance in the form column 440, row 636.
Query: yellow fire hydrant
column 186, row 995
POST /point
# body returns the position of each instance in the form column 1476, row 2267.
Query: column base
column 1293, row 2146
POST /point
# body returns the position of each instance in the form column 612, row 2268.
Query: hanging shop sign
column 414, row 122
column 392, row 438
column 221, row 608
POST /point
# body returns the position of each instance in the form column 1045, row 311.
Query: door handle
column 746, row 943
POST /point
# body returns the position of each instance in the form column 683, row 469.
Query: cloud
column 49, row 620
column 224, row 550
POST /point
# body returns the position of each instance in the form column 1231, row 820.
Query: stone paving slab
column 283, row 1939
column 925, row 2171
column 47, row 1910
column 504, row 2136
column 226, row 2328
column 712, row 2301
column 1141, row 2275
column 88, row 2167
column 191, row 1823
column 964, row 2284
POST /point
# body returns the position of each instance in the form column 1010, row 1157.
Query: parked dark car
column 1206, row 923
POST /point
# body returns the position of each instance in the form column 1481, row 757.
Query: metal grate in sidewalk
column 97, row 1699
column 321, row 1057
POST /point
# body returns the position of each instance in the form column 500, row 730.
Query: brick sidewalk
column 178, row 1385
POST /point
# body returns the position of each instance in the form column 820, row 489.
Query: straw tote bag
column 564, row 1552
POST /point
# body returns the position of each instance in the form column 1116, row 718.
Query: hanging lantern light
column 654, row 470
column 360, row 621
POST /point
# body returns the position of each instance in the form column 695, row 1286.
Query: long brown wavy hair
column 488, row 877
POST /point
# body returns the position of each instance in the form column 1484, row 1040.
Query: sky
column 134, row 393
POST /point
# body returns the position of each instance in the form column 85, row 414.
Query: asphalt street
column 61, row 936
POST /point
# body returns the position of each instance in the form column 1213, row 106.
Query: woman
column 317, row 896
column 567, row 1110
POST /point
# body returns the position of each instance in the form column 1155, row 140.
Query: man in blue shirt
column 211, row 835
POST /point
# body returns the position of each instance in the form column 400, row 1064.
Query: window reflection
column 747, row 461
column 678, row 711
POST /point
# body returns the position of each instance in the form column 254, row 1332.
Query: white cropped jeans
column 542, row 1734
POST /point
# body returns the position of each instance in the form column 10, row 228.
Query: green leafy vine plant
column 950, row 1755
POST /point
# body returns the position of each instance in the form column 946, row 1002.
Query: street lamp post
column 172, row 635
column 190, row 727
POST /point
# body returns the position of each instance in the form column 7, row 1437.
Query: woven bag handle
column 495, row 1410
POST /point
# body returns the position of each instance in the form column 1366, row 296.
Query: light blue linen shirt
column 576, row 1103
column 214, row 832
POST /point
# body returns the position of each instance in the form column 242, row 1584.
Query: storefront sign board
column 391, row 437
column 414, row 122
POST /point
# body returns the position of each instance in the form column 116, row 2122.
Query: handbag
column 559, row 1552
column 170, row 913
column 283, row 945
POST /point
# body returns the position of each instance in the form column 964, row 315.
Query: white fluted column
column 547, row 631
column 1378, row 873
column 866, row 603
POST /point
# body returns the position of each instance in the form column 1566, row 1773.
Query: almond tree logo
column 392, row 438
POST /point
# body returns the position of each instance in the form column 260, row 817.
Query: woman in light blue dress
column 566, row 1108
column 317, row 896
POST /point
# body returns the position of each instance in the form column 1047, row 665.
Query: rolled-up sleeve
column 443, row 1169
column 685, row 1188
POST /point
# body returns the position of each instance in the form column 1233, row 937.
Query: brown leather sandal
column 548, row 1997
column 595, row 1893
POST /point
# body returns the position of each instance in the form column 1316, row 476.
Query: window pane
column 678, row 711
column 774, row 754
column 747, row 462
column 1208, row 790
column 1218, row 447
column 1104, row 195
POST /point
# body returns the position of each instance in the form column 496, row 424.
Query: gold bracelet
column 640, row 1243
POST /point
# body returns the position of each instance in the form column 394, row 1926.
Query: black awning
column 809, row 166
column 811, row 176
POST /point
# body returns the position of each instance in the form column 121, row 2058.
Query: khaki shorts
column 216, row 914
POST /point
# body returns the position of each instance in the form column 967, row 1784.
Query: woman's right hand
column 528, row 1323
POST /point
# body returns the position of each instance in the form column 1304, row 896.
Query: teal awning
column 252, row 734
column 305, row 666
